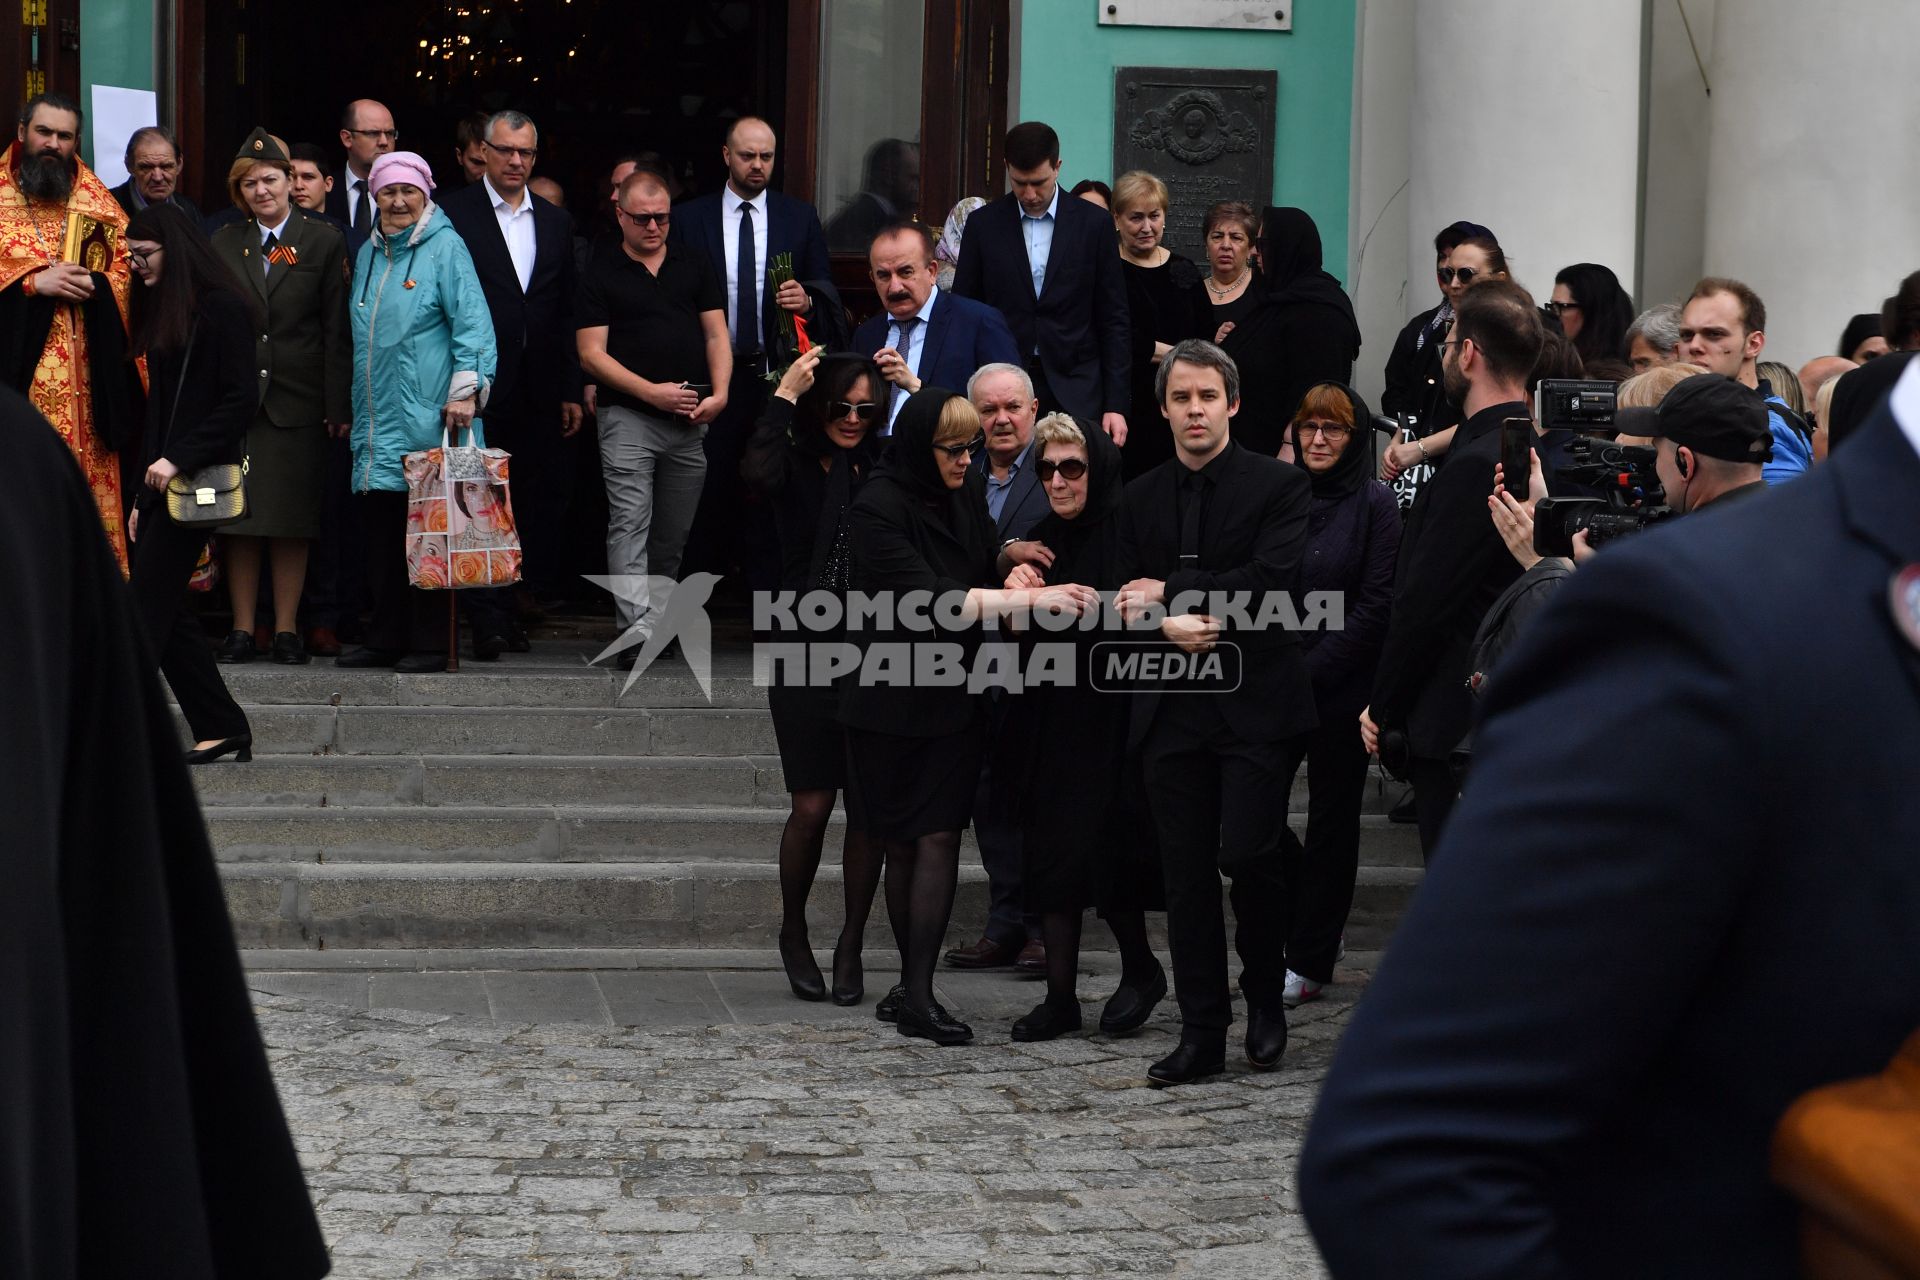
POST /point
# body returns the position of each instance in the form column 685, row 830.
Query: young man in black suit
column 1051, row 264
column 1218, row 519
column 1679, row 893
column 367, row 132
column 1453, row 565
column 522, row 250
column 740, row 229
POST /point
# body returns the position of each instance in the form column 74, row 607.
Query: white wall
column 1385, row 294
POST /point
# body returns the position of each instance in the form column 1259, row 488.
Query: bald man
column 367, row 132
column 1818, row 370
column 549, row 190
column 740, row 230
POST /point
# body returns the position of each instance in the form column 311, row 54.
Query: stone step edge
column 574, row 959
column 697, row 868
column 746, row 815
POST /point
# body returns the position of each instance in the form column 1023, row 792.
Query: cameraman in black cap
column 1712, row 436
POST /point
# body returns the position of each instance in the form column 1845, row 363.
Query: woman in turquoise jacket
column 423, row 360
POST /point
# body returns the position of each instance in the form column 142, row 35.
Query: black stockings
column 1061, row 931
column 921, row 877
column 800, row 845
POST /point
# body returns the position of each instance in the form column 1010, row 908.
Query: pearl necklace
column 1221, row 293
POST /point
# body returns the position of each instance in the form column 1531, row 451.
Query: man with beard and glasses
column 63, row 326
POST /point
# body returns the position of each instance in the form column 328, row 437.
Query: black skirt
column 903, row 788
column 813, row 743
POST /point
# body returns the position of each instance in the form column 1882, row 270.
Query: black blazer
column 1079, row 322
column 1453, row 566
column 1413, row 381
column 1692, row 801
column 794, row 227
column 217, row 402
column 1254, row 532
column 1026, row 503
column 532, row 329
column 899, row 546
column 337, row 207
column 124, row 195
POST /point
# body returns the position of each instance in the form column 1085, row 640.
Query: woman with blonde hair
column 1160, row 289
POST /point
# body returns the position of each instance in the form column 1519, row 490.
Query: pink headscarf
column 400, row 166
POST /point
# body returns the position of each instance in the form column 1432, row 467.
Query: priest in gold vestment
column 64, row 277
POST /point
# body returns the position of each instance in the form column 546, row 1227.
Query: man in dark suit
column 740, row 230
column 1453, row 565
column 367, row 132
column 924, row 337
column 154, row 165
column 522, row 250
column 1051, row 265
column 1690, row 823
column 1213, row 520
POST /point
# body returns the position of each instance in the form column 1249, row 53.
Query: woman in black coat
column 1087, row 840
column 1353, row 539
column 196, row 329
column 914, row 746
column 809, row 457
column 1300, row 331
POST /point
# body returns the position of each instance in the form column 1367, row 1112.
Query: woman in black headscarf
column 1301, row 331
column 809, row 456
column 1353, row 537
column 1086, row 838
column 914, row 746
column 142, row 1135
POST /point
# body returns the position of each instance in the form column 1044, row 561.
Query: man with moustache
column 153, row 164
column 925, row 337
column 63, row 324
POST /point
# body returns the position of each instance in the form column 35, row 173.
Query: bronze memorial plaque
column 1207, row 134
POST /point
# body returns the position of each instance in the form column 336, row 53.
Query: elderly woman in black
column 1087, row 840
column 195, row 326
column 914, row 746
column 1353, row 538
column 810, row 455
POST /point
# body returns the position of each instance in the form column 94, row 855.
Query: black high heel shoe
column 240, row 746
column 803, row 974
column 853, row 988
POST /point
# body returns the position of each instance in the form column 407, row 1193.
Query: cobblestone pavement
column 441, row 1146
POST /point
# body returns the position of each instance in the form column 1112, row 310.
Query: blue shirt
column 914, row 348
column 1038, row 233
column 997, row 489
column 1792, row 455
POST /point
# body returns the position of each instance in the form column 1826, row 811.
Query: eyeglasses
column 645, row 219
column 1331, row 432
column 1465, row 274
column 523, row 153
column 863, row 409
column 141, row 258
column 1561, row 308
column 391, row 135
column 1071, row 468
column 955, row 452
column 1454, row 342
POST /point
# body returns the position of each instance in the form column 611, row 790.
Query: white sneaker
column 1298, row 991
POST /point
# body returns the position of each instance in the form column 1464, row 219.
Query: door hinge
column 33, row 13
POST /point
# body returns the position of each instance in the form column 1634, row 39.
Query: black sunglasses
column 646, row 219
column 864, row 410
column 1071, row 468
column 1466, row 274
column 958, row 451
column 1561, row 308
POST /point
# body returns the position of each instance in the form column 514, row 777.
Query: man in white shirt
column 367, row 132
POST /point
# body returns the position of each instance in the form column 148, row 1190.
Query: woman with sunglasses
column 1414, row 388
column 1086, row 838
column 920, row 525
column 810, row 455
column 1593, row 311
column 1353, row 538
column 1477, row 257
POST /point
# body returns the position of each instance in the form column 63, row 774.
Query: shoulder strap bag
column 214, row 495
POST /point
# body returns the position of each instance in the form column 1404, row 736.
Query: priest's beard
column 47, row 176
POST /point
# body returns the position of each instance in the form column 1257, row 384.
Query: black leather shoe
column 803, row 974
column 517, row 641
column 936, row 1024
column 1266, row 1038
column 240, row 746
column 365, row 657
column 888, row 1009
column 1048, row 1021
column 1189, row 1062
column 1404, row 812
column 237, row 647
column 488, row 648
column 288, row 651
column 420, row 663
column 1130, row 1007
column 849, row 982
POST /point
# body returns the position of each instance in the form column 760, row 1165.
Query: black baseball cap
column 1715, row 416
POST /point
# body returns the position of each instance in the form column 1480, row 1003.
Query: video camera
column 1574, row 404
column 1630, row 496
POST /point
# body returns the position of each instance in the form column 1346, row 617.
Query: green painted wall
column 116, row 48
column 1066, row 79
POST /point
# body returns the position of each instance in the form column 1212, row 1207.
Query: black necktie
column 746, row 318
column 267, row 247
column 1194, row 494
column 362, row 207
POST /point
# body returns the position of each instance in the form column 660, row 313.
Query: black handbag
column 214, row 495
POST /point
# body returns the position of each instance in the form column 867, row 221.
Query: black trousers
column 1434, row 792
column 1219, row 804
column 405, row 618
column 1319, row 873
column 336, row 587
column 163, row 558
column 1043, row 399
column 997, row 830
column 542, row 479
